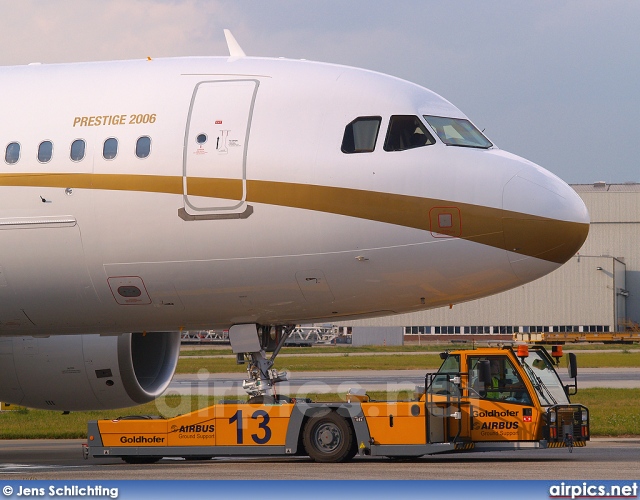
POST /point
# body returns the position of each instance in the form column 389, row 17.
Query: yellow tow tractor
column 484, row 399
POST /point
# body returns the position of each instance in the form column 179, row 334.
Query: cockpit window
column 457, row 132
column 406, row 132
column 361, row 134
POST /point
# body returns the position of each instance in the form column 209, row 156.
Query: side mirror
column 484, row 371
column 572, row 365
column 444, row 355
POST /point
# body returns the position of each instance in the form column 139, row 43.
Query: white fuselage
column 267, row 221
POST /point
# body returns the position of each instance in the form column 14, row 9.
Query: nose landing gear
column 254, row 341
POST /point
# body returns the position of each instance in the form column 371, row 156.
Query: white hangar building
column 598, row 290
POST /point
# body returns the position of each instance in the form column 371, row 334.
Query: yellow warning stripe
column 464, row 446
column 562, row 444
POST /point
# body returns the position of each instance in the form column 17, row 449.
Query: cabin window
column 77, row 150
column 201, row 138
column 45, row 151
column 458, row 132
column 143, row 146
column 110, row 148
column 12, row 153
column 406, row 132
column 360, row 135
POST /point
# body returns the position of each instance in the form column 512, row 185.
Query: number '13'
column 237, row 418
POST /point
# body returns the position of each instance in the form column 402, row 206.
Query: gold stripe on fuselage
column 114, row 182
column 524, row 234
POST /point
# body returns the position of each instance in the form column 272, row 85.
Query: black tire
column 353, row 451
column 328, row 438
column 132, row 459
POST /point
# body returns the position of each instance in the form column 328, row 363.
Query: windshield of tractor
column 545, row 379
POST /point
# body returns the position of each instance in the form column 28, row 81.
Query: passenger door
column 215, row 149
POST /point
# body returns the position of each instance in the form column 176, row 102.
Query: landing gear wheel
column 328, row 438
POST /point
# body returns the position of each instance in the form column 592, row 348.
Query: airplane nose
column 545, row 222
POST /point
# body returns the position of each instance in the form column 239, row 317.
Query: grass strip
column 338, row 349
column 612, row 412
column 624, row 359
column 344, row 362
column 426, row 347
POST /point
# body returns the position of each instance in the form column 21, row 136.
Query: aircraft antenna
column 234, row 47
